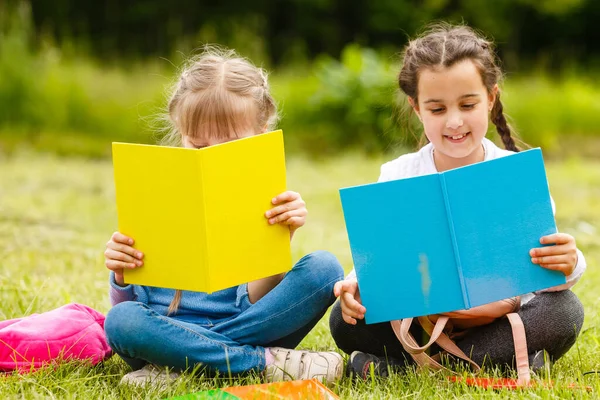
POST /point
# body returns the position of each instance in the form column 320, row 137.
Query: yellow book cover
column 198, row 214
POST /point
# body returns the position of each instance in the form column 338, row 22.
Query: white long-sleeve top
column 421, row 163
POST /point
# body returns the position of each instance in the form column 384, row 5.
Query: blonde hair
column 218, row 94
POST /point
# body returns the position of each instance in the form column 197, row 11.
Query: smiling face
column 453, row 105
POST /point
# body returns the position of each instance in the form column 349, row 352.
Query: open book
column 198, row 214
column 451, row 240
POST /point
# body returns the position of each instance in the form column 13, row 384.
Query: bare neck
column 444, row 163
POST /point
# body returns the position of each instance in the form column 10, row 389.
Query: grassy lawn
column 56, row 215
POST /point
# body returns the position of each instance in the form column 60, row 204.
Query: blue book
column 452, row 240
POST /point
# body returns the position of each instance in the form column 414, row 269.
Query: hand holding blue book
column 452, row 240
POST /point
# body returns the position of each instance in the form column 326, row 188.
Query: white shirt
column 421, row 163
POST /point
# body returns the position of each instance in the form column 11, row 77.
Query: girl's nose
column 454, row 122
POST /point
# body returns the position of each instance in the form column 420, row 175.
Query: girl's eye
column 436, row 110
column 468, row 106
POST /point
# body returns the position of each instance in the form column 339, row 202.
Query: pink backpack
column 71, row 332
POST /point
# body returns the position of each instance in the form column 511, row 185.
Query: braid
column 442, row 46
column 502, row 126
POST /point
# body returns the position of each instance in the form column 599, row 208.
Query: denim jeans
column 283, row 317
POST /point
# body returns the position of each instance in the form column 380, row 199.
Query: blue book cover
column 452, row 240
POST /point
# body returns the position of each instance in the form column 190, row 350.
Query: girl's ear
column 415, row 106
column 492, row 97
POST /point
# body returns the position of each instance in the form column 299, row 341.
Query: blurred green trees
column 280, row 31
column 75, row 76
column 355, row 103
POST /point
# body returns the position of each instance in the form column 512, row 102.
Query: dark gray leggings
column 552, row 322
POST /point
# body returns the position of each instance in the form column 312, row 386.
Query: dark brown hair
column 444, row 45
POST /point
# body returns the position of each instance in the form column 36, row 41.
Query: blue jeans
column 283, row 317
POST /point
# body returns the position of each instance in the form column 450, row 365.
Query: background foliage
column 75, row 76
column 283, row 31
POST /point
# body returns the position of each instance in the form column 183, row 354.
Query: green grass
column 57, row 213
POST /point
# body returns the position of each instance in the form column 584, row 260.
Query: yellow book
column 198, row 214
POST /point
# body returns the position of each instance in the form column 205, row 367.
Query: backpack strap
column 411, row 346
column 401, row 330
column 521, row 353
column 408, row 342
column 448, row 344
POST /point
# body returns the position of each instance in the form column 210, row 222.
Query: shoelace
column 367, row 369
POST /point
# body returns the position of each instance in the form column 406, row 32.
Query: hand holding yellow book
column 198, row 214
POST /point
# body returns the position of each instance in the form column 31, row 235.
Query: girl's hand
column 289, row 210
column 352, row 309
column 560, row 257
column 120, row 255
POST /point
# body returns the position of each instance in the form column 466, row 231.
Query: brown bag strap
column 411, row 346
column 422, row 359
column 521, row 353
column 401, row 330
column 448, row 344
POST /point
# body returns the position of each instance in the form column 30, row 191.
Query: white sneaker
column 150, row 374
column 291, row 365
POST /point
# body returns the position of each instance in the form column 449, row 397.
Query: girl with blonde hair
column 221, row 97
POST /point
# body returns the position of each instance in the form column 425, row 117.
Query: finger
column 566, row 269
column 287, row 215
column 348, row 319
column 551, row 250
column 285, row 197
column 561, row 259
column 295, row 222
column 351, row 313
column 115, row 265
column 123, row 248
column 348, row 285
column 352, row 307
column 290, row 206
column 569, row 257
column 120, row 238
column 337, row 288
column 557, row 238
column 111, row 254
column 556, row 266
